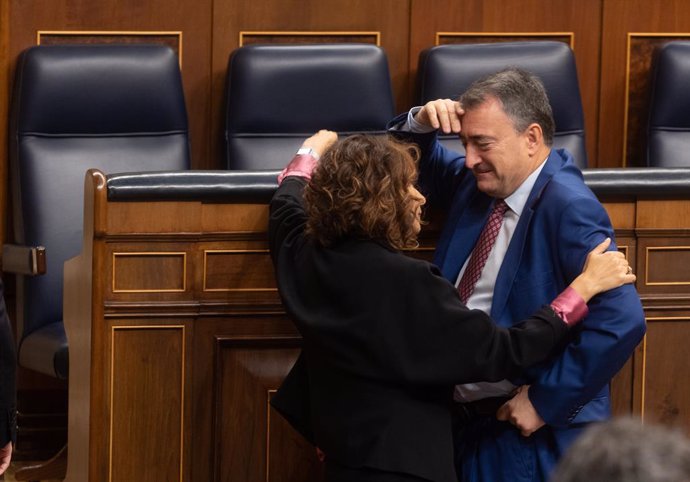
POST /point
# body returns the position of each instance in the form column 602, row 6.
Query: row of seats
column 277, row 95
column 121, row 108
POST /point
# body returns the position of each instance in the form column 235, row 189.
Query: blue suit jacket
column 562, row 221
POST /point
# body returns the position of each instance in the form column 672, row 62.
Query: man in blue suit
column 516, row 430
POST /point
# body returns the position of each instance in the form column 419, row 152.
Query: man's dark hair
column 522, row 96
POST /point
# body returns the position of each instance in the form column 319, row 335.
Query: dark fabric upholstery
column 668, row 143
column 204, row 186
column 277, row 95
column 259, row 186
column 111, row 107
column 639, row 182
column 446, row 71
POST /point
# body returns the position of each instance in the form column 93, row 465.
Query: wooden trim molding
column 54, row 37
column 337, row 36
column 505, row 36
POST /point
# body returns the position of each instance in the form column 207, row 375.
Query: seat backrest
column 277, row 95
column 112, row 107
column 446, row 71
column 668, row 130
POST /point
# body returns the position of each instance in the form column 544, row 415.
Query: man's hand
column 321, row 141
column 5, row 457
column 443, row 114
column 520, row 412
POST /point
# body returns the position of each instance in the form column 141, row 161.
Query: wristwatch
column 308, row 151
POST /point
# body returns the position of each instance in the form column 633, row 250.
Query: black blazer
column 385, row 339
column 8, row 368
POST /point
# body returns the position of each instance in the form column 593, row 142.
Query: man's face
column 498, row 156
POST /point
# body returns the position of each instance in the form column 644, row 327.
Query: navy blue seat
column 112, row 107
column 668, row 131
column 277, row 95
column 446, row 71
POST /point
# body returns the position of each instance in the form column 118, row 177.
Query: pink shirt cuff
column 301, row 165
column 570, row 306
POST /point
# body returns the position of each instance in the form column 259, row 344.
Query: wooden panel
column 232, row 270
column 662, row 266
column 666, row 395
column 139, row 272
column 248, row 372
column 622, row 390
column 230, row 17
column 667, row 266
column 654, row 215
column 621, row 18
column 520, row 17
column 622, row 214
column 147, row 364
column 142, row 270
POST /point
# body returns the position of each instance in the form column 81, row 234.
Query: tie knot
column 500, row 207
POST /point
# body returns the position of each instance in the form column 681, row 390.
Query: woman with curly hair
column 385, row 336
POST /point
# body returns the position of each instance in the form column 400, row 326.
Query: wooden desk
column 178, row 338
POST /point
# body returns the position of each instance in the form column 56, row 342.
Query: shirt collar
column 516, row 201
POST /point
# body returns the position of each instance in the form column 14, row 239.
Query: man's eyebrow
column 476, row 138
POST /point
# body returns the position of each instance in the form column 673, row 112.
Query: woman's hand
column 321, row 141
column 603, row 270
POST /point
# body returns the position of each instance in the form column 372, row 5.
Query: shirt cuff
column 301, row 165
column 411, row 125
column 570, row 306
column 417, row 127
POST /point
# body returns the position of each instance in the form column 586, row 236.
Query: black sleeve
column 287, row 217
column 8, row 368
column 423, row 334
column 460, row 345
column 292, row 399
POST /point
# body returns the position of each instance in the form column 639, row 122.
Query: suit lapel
column 513, row 257
column 463, row 235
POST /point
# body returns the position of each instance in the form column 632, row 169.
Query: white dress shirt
column 482, row 296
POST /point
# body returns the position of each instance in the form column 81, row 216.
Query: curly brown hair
column 361, row 188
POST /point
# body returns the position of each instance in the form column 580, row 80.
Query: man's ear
column 534, row 137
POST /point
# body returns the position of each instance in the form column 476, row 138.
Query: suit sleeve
column 8, row 366
column 604, row 340
column 287, row 218
column 440, row 169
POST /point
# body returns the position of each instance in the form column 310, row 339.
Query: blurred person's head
column 625, row 450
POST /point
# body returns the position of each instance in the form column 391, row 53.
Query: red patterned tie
column 481, row 250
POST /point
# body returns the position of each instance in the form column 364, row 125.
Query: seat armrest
column 26, row 260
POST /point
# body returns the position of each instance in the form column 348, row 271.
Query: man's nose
column 471, row 157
